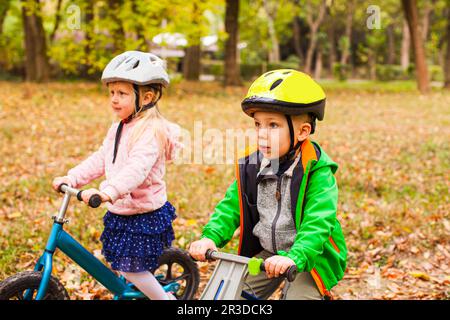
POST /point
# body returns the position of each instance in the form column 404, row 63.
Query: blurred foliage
column 107, row 27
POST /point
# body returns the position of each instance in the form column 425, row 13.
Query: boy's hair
column 306, row 117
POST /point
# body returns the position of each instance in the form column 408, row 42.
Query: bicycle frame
column 59, row 239
column 227, row 280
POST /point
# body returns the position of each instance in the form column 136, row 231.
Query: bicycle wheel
column 177, row 265
column 14, row 287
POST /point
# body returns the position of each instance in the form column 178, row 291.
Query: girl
column 138, row 223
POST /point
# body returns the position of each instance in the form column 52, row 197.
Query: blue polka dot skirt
column 133, row 243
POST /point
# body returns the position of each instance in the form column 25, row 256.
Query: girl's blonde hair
column 150, row 118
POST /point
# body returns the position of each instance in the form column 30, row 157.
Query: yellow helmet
column 287, row 91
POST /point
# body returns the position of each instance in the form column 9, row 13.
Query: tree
column 270, row 8
column 390, row 44
column 331, row 36
column 231, row 72
column 427, row 11
column 405, row 47
column 191, row 64
column 314, row 24
column 37, row 67
column 297, row 35
column 410, row 10
column 57, row 20
column 86, row 67
column 318, row 66
column 116, row 28
column 447, row 58
column 348, row 32
column 4, row 6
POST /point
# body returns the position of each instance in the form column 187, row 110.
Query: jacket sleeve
column 141, row 159
column 319, row 217
column 225, row 218
column 90, row 169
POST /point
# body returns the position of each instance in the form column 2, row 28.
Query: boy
column 284, row 198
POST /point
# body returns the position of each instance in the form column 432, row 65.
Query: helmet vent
column 136, row 64
column 268, row 74
column 286, row 72
column 120, row 62
column 276, row 84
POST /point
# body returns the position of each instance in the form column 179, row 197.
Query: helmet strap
column 313, row 124
column 292, row 149
column 147, row 106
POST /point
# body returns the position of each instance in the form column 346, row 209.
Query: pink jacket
column 135, row 181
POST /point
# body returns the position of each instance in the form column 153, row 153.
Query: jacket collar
column 266, row 171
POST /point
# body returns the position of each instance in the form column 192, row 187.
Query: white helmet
column 138, row 67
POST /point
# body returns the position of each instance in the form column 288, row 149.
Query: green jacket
column 319, row 246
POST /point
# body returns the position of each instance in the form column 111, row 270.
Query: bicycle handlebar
column 290, row 274
column 94, row 201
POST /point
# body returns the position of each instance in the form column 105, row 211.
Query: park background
column 384, row 64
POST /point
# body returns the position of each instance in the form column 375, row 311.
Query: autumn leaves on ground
column 391, row 143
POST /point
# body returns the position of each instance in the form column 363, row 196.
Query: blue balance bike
column 177, row 272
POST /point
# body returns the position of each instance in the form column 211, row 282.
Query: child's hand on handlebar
column 59, row 181
column 86, row 195
column 197, row 249
column 277, row 265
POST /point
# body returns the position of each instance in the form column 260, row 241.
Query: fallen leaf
column 394, row 287
column 420, row 275
column 14, row 215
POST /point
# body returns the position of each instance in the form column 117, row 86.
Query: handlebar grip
column 290, row 274
column 94, row 201
column 60, row 186
column 208, row 254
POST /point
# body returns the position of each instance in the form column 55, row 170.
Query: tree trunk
column 314, row 27
column 37, row 67
column 410, row 9
column 4, row 7
column 331, row 33
column 426, row 19
column 88, row 32
column 318, row 67
column 139, row 29
column 391, row 44
column 271, row 13
column 231, row 71
column 57, row 20
column 372, row 65
column 348, row 32
column 191, row 63
column 118, row 33
column 447, row 58
column 406, row 44
column 297, row 37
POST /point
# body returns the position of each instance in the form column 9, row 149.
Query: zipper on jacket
column 274, row 222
